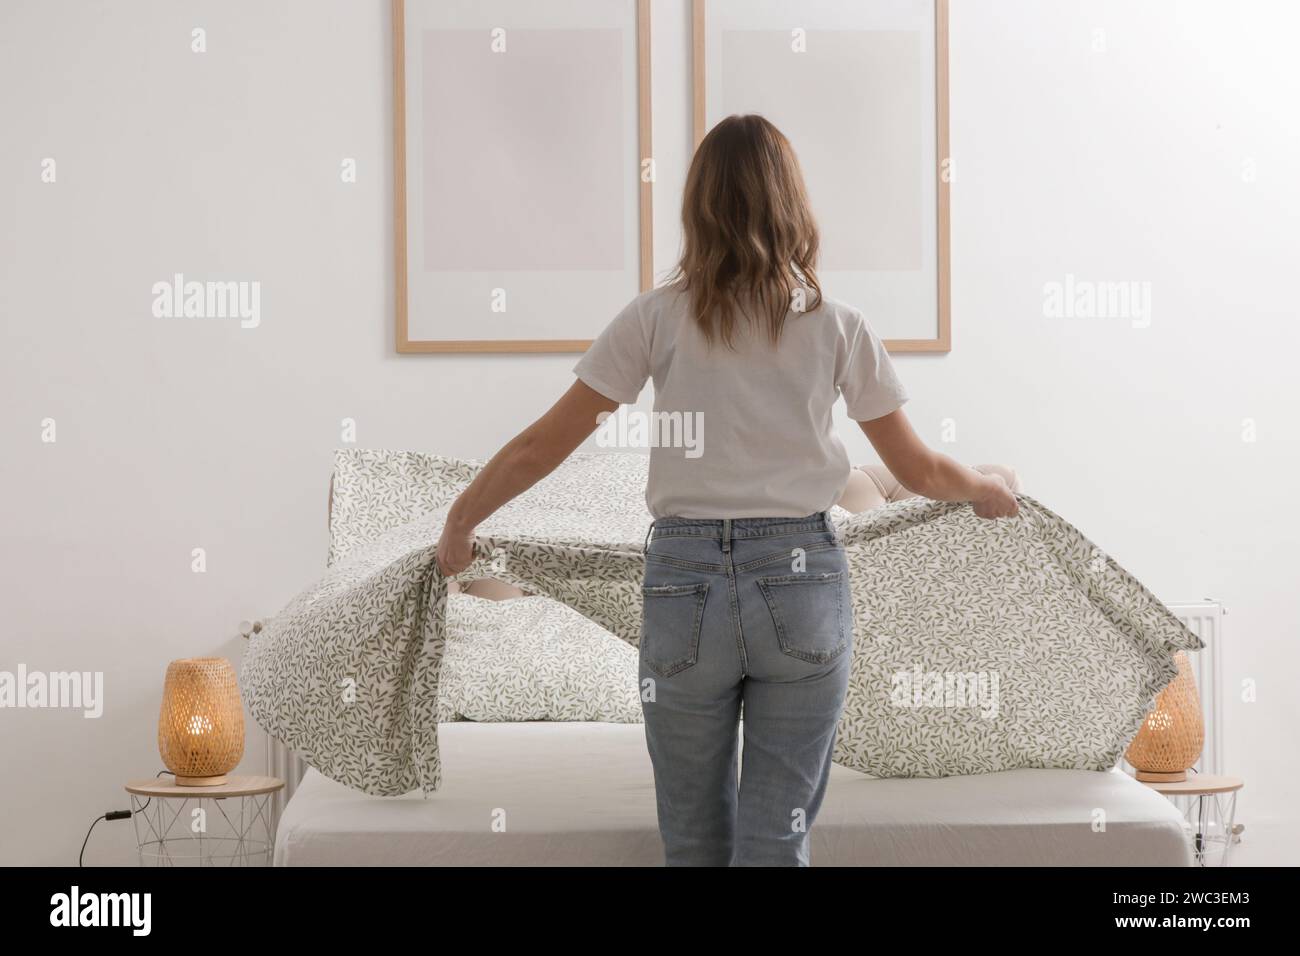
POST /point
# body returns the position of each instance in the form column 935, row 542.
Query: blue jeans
column 751, row 612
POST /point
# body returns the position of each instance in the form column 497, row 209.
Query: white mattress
column 561, row 794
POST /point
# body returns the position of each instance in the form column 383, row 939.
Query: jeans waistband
column 728, row 529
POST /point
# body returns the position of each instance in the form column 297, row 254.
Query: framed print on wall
column 522, row 183
column 861, row 90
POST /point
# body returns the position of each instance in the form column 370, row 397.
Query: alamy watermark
column 73, row 690
column 1085, row 299
column 132, row 911
column 917, row 688
column 635, row 429
column 179, row 299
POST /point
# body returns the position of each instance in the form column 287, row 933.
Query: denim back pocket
column 808, row 611
column 670, row 626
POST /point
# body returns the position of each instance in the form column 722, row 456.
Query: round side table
column 226, row 825
column 1212, row 813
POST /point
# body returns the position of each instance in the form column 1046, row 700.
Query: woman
column 746, row 587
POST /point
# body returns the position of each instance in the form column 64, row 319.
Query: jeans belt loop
column 726, row 535
column 649, row 531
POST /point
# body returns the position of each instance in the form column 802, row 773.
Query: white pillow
column 533, row 658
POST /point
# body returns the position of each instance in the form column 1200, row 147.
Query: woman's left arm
column 930, row 474
column 528, row 458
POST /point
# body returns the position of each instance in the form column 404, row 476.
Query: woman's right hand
column 997, row 501
column 455, row 548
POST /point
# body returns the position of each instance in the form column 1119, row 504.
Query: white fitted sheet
column 583, row 794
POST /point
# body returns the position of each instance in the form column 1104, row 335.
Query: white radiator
column 1205, row 620
column 283, row 763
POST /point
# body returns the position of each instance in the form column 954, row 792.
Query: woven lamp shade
column 201, row 727
column 1171, row 737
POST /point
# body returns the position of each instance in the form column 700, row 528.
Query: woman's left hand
column 455, row 549
column 997, row 501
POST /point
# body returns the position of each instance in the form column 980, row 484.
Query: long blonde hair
column 750, row 237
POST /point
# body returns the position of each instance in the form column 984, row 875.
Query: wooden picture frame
column 643, row 265
column 941, row 340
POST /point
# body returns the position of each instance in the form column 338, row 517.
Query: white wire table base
column 168, row 831
column 1212, row 817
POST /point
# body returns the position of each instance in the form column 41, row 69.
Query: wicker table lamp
column 1170, row 739
column 201, row 727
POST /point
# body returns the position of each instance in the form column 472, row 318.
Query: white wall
column 175, row 434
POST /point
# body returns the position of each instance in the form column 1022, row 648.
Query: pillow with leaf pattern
column 533, row 658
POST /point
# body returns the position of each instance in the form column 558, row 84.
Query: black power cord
column 112, row 815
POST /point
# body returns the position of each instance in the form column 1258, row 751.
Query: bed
column 582, row 794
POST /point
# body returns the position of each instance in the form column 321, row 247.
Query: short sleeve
column 618, row 363
column 867, row 379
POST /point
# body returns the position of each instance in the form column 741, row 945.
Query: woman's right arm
column 930, row 474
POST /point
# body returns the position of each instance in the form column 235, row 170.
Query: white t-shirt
column 745, row 433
